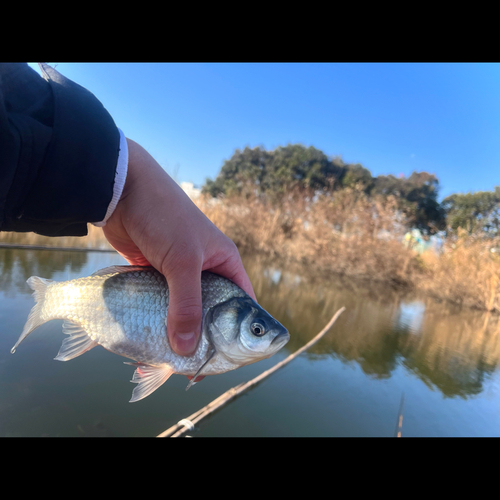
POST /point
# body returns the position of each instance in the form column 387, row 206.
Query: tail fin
column 39, row 285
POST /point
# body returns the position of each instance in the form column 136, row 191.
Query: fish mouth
column 282, row 338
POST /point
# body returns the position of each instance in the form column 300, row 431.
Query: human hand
column 155, row 223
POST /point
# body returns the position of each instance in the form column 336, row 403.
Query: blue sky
column 392, row 118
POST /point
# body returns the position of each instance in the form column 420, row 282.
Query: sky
column 392, row 118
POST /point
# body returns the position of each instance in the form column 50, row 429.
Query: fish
column 124, row 309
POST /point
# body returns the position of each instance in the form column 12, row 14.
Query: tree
column 357, row 175
column 245, row 170
column 475, row 212
column 422, row 190
column 276, row 172
column 417, row 198
column 297, row 166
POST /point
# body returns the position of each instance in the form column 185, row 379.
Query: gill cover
column 241, row 331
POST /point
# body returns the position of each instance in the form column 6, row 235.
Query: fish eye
column 258, row 329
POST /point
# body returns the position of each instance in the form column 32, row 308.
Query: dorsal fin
column 120, row 269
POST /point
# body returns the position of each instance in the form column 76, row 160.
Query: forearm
column 59, row 150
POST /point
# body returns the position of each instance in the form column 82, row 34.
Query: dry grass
column 358, row 237
column 467, row 272
column 348, row 234
column 94, row 240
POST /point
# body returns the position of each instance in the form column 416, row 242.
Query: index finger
column 234, row 270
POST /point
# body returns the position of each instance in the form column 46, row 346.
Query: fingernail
column 185, row 343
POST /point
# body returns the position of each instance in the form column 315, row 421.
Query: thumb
column 184, row 309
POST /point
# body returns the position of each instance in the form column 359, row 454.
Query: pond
column 388, row 351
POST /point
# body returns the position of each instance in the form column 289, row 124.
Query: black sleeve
column 58, row 153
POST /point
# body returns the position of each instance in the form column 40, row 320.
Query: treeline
column 274, row 174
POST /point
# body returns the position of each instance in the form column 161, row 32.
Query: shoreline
column 63, row 249
column 423, row 285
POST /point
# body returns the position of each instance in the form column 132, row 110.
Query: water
column 444, row 361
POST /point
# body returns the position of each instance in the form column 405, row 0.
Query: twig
column 399, row 423
column 188, row 423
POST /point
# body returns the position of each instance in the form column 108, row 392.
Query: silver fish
column 124, row 309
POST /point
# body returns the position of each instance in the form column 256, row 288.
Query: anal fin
column 76, row 344
column 148, row 378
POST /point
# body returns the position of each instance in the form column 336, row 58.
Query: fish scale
column 124, row 309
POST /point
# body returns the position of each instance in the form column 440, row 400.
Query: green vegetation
column 474, row 212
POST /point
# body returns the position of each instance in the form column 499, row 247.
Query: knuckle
column 185, row 313
column 186, row 308
column 181, row 258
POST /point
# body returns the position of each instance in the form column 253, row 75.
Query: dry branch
column 188, row 423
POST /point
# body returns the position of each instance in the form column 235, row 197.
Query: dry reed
column 466, row 272
column 94, row 240
column 348, row 234
column 360, row 237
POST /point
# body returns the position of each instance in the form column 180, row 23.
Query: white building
column 190, row 190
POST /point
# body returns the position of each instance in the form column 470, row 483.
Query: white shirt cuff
column 120, row 176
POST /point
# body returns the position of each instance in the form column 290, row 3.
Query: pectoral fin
column 148, row 378
column 198, row 373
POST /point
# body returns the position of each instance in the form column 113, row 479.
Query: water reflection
column 410, row 316
column 18, row 265
column 450, row 349
column 456, row 352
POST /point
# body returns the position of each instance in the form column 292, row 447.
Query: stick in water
column 399, row 423
column 188, row 423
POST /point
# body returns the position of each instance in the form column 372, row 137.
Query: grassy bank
column 329, row 235
column 358, row 237
column 467, row 272
column 94, row 240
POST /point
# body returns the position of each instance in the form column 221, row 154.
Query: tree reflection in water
column 16, row 266
column 449, row 348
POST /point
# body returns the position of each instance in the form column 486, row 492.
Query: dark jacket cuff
column 74, row 178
